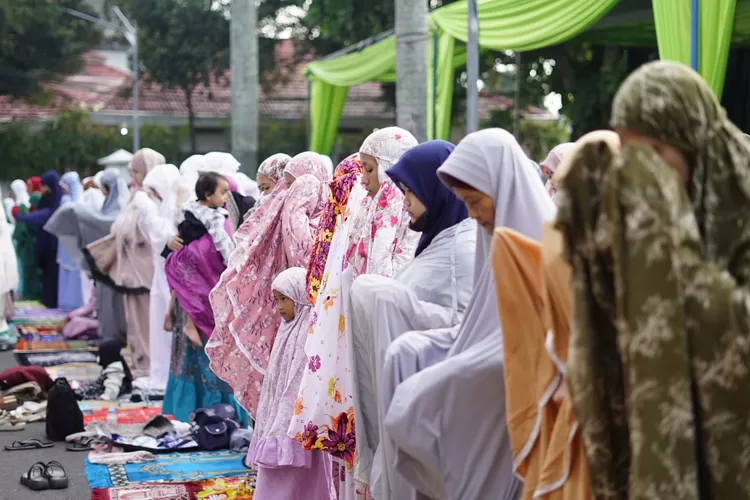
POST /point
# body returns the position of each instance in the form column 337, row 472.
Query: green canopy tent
column 525, row 26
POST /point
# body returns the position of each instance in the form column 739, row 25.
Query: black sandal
column 81, row 444
column 28, row 444
column 36, row 477
column 56, row 475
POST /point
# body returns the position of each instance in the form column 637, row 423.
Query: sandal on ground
column 56, row 475
column 83, row 443
column 29, row 444
column 36, row 477
column 8, row 425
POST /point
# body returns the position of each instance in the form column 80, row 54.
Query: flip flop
column 56, row 475
column 7, row 425
column 82, row 444
column 36, row 477
column 29, row 444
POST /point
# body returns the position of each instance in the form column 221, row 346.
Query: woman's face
column 105, row 190
column 480, row 206
column 370, row 173
column 265, row 184
column 415, row 207
column 45, row 189
column 136, row 176
column 284, row 305
column 671, row 155
column 289, row 179
column 546, row 171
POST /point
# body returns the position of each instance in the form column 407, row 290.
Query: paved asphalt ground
column 15, row 463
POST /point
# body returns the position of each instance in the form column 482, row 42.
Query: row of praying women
column 428, row 324
column 45, row 268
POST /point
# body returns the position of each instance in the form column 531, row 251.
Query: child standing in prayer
column 285, row 468
column 204, row 216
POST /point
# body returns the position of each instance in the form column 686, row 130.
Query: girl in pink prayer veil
column 275, row 237
column 285, row 469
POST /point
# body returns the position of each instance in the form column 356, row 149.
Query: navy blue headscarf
column 46, row 243
column 417, row 171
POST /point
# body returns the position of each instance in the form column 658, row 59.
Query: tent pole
column 472, row 70
column 694, row 15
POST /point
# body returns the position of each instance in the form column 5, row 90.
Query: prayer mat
column 224, row 488
column 169, row 468
column 53, row 358
column 75, row 372
column 123, row 415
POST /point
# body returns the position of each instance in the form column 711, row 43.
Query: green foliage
column 588, row 76
column 536, row 137
column 284, row 137
column 41, row 43
column 182, row 44
column 73, row 142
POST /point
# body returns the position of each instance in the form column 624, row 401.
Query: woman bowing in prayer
column 77, row 225
column 667, row 329
column 431, row 292
column 532, row 282
column 372, row 237
column 448, row 452
column 125, row 259
column 279, row 235
column 45, row 250
column 70, row 290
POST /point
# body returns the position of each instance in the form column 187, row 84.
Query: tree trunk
column 244, row 65
column 411, row 66
column 191, row 121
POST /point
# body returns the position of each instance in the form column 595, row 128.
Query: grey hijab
column 77, row 225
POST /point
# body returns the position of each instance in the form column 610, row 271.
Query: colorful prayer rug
column 223, row 488
column 54, row 358
column 123, row 415
column 172, row 468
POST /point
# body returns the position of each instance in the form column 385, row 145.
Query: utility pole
column 244, row 65
column 411, row 66
column 472, row 69
column 130, row 32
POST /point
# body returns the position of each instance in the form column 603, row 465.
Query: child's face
column 219, row 197
column 284, row 305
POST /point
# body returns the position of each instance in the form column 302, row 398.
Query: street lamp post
column 130, row 31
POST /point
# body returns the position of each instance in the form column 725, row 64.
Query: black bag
column 64, row 417
column 213, row 426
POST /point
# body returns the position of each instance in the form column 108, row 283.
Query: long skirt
column 191, row 383
column 137, row 316
column 110, row 311
column 50, row 277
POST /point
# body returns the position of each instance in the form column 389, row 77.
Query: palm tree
column 244, row 64
column 411, row 66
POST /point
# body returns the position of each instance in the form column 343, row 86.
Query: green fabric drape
column 533, row 24
column 716, row 19
column 672, row 20
column 504, row 24
column 326, row 105
column 526, row 25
